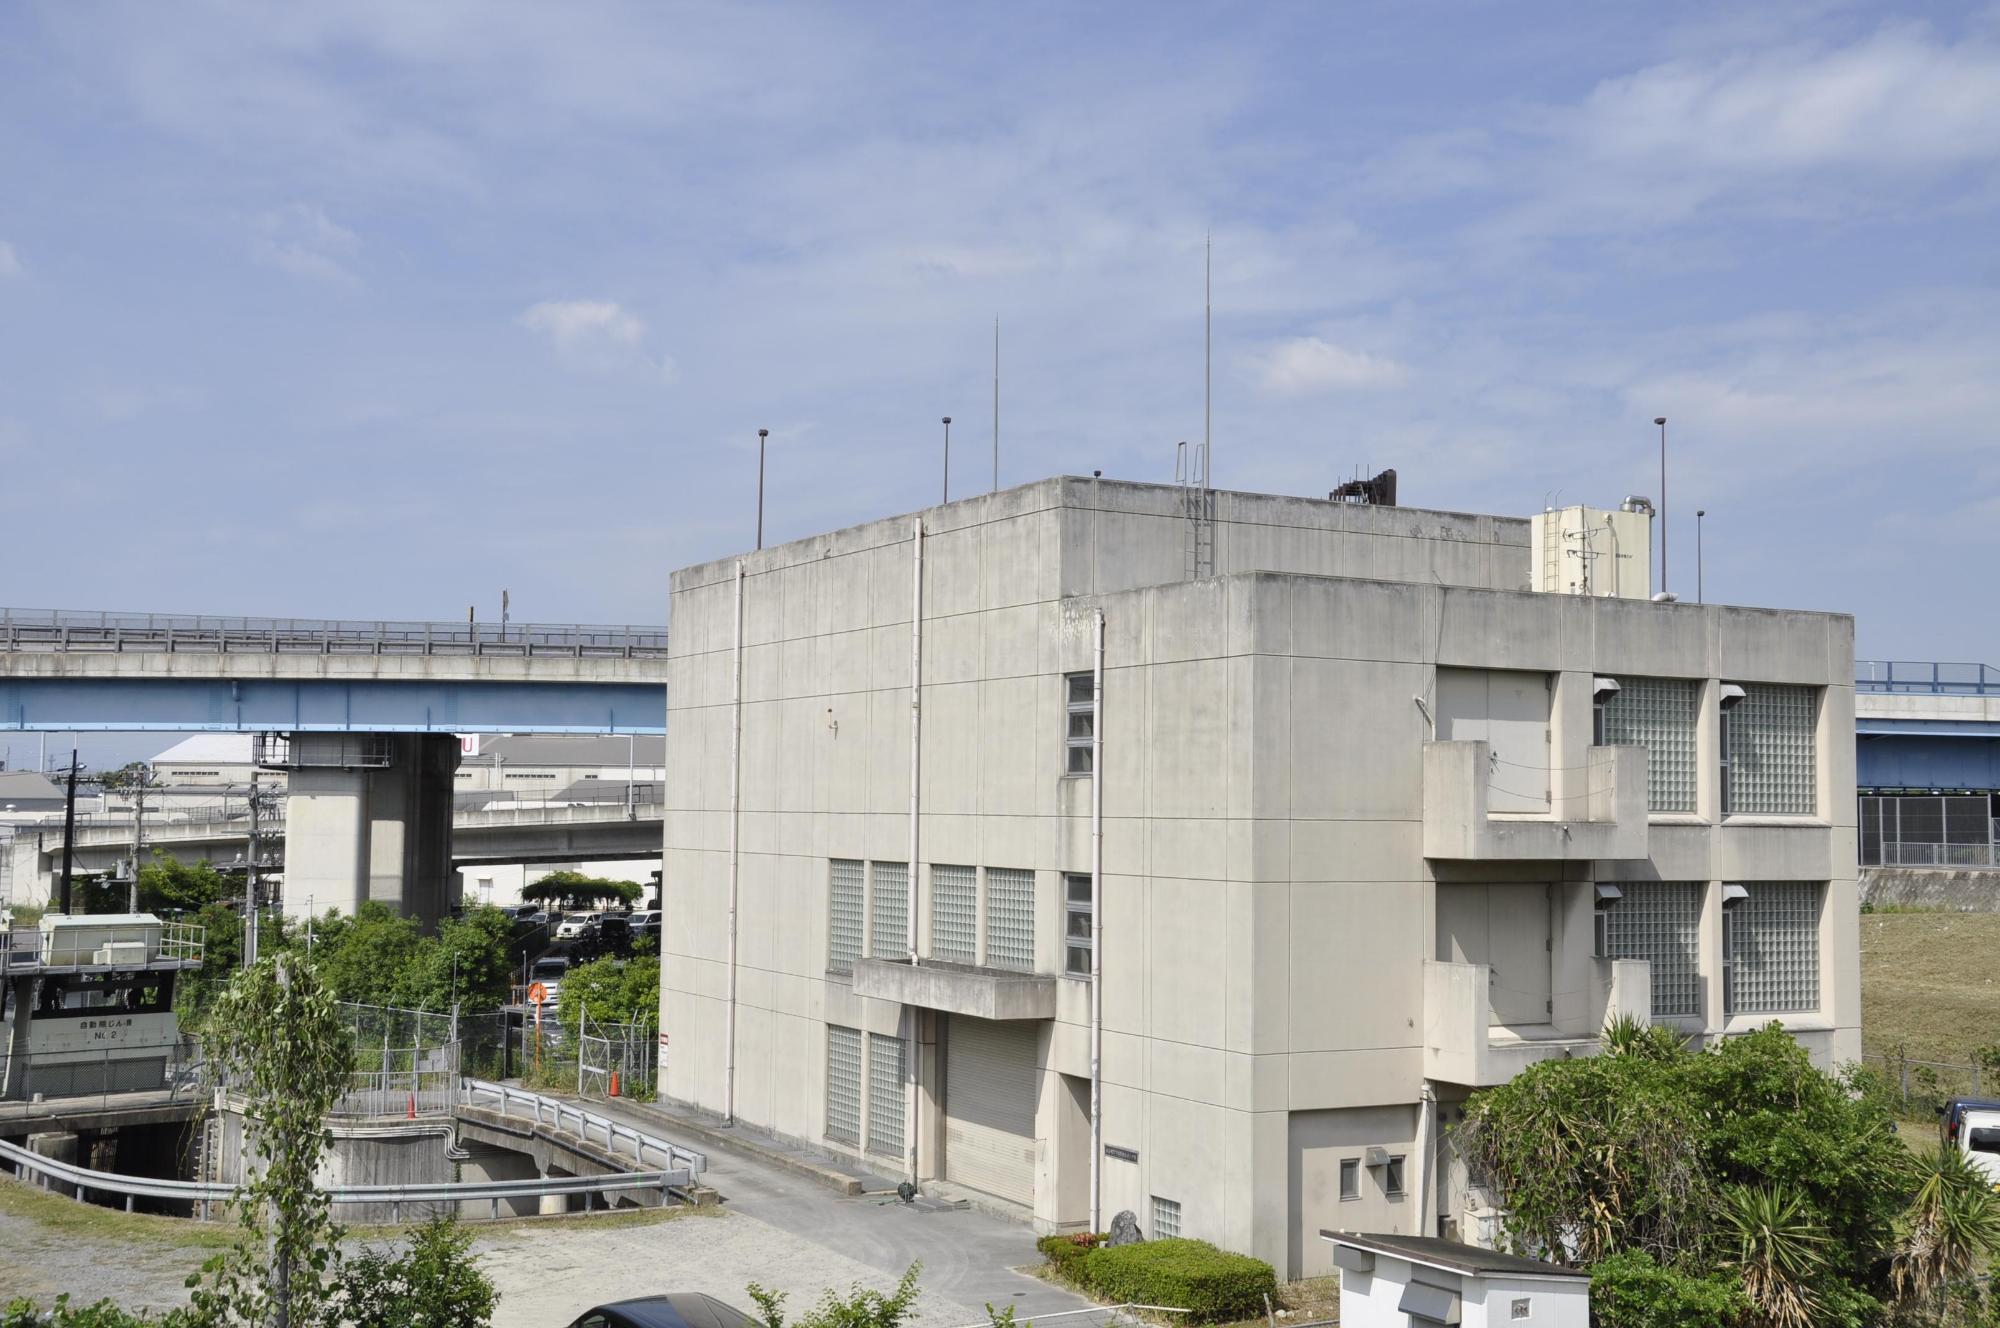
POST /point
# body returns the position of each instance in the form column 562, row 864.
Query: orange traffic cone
column 614, row 1083
column 413, row 1106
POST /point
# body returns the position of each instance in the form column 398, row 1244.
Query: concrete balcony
column 1463, row 1046
column 1605, row 820
column 983, row 993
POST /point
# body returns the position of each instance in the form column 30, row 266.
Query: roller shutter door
column 989, row 1105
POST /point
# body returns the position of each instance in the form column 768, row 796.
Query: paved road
column 968, row 1256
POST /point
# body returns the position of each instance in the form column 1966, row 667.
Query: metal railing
column 32, row 947
column 588, row 1126
column 201, row 1196
column 49, row 1085
column 557, row 815
column 1926, row 676
column 1903, row 853
column 45, row 630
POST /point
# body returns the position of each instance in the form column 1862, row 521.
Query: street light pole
column 762, row 434
column 1699, row 513
column 1662, row 422
column 947, row 458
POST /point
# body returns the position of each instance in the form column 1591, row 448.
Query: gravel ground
column 547, row 1272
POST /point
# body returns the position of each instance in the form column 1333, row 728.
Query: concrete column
column 359, row 832
column 14, row 1074
column 554, row 1205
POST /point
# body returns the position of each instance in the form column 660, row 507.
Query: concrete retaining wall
column 1963, row 890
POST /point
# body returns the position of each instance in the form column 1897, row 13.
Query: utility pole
column 1662, row 422
column 947, row 458
column 140, row 783
column 69, row 835
column 996, row 403
column 250, row 883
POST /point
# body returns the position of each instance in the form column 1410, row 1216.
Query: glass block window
column 1166, row 1218
column 955, row 914
column 1660, row 922
column 1076, row 925
column 843, row 931
column 1770, row 947
column 843, row 1084
column 1010, row 918
column 886, row 1103
column 889, row 911
column 1768, row 753
column 1657, row 714
column 1079, row 722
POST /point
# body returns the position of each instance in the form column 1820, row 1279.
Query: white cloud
column 1306, row 365
column 10, row 261
column 600, row 335
column 302, row 240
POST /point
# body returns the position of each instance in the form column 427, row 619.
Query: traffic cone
column 614, row 1083
column 413, row 1106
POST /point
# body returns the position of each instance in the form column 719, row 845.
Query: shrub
column 1213, row 1285
column 435, row 1283
column 1630, row 1290
column 1065, row 1249
column 103, row 1314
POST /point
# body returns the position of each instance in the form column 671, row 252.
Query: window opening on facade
column 1010, row 918
column 845, row 897
column 1079, row 721
column 1076, row 925
column 1659, row 715
column 1770, row 947
column 955, row 914
column 1769, row 760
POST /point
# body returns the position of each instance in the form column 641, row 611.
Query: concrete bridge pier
column 369, row 817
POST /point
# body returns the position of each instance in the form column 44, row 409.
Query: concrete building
column 1380, row 825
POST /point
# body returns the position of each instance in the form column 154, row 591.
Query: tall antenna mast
column 1207, row 346
column 996, row 403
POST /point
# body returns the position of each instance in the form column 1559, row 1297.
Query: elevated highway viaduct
column 363, row 716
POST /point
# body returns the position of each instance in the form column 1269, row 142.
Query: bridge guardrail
column 1926, row 677
column 199, row 1195
column 585, row 1125
column 69, row 630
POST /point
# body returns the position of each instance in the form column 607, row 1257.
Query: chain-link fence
column 618, row 1060
column 1918, row 1089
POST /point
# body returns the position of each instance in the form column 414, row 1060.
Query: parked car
column 676, row 1309
column 1972, row 1126
column 577, row 924
column 646, row 923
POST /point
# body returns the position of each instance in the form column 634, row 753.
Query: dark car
column 676, row 1309
column 1952, row 1114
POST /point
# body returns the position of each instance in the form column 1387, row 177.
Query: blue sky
column 372, row 309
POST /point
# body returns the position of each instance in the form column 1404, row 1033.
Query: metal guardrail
column 1926, row 676
column 199, row 1195
column 32, row 948
column 1905, row 853
column 46, row 630
column 585, row 1125
column 584, row 812
column 682, row 1166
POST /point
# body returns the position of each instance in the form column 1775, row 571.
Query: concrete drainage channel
column 568, row 1152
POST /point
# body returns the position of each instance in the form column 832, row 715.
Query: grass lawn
column 1930, row 984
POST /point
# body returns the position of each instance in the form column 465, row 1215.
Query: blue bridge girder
column 63, row 671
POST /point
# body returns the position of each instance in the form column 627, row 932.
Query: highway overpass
column 367, row 715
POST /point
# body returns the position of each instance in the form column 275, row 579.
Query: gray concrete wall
column 1963, row 890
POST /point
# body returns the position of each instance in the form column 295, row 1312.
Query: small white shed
column 1420, row 1281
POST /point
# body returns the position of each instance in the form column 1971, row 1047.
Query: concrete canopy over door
column 990, row 1081
column 1507, row 928
column 1510, row 710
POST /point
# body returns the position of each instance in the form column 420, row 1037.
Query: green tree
column 1950, row 1231
column 363, row 958
column 467, row 961
column 611, row 991
column 1632, row 1290
column 435, row 1283
column 276, row 1041
column 859, row 1308
column 573, row 890
column 1657, row 1149
column 167, row 883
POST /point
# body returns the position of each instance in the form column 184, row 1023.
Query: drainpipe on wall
column 735, row 845
column 1097, row 925
column 910, row 1015
column 1426, row 1137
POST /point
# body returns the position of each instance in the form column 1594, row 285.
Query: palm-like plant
column 1779, row 1248
column 1950, row 1229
